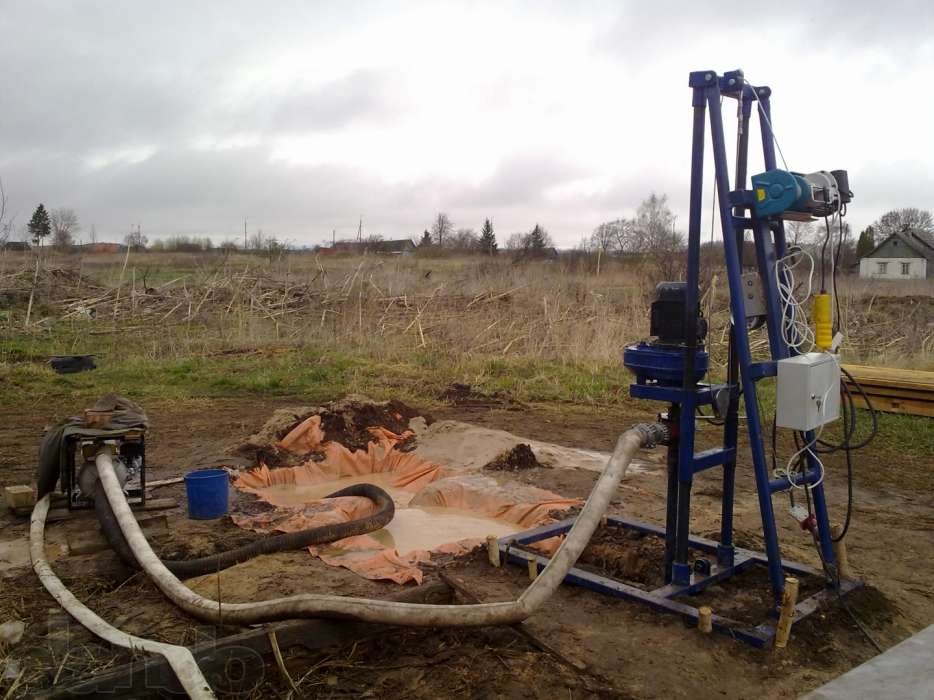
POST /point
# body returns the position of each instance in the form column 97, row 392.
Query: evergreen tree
column 866, row 242
column 40, row 225
column 426, row 239
column 487, row 238
column 538, row 241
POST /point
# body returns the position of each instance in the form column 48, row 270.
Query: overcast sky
column 188, row 117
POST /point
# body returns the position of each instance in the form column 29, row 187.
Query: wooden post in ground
column 787, row 614
column 839, row 552
column 705, row 619
column 492, row 549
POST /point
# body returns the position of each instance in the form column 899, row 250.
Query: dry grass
column 177, row 305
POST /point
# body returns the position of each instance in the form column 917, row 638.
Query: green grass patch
column 318, row 373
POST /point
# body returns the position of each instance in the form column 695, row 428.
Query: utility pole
column 360, row 231
column 333, row 237
column 244, row 234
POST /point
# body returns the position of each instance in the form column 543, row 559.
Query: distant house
column 16, row 246
column 902, row 255
column 403, row 246
column 102, row 248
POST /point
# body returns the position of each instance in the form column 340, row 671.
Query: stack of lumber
column 894, row 390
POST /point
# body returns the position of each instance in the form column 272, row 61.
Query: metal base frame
column 664, row 599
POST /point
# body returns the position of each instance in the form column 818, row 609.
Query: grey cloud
column 519, row 180
column 645, row 30
column 360, row 96
column 83, row 79
column 84, row 76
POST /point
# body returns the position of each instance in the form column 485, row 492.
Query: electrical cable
column 838, row 317
column 795, row 329
column 823, row 258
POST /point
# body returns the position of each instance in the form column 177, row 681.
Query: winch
column 819, row 193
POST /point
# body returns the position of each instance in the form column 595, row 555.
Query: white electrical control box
column 808, row 393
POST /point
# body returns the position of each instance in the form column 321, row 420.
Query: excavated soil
column 519, row 458
column 347, row 422
column 631, row 557
column 599, row 647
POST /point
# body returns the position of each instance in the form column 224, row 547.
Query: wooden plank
column 164, row 482
column 59, row 514
column 894, row 392
column 905, row 391
column 889, row 404
column 240, row 654
column 890, row 376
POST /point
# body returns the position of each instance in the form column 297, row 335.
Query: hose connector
column 653, row 433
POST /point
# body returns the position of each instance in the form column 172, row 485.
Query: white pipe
column 383, row 611
column 180, row 658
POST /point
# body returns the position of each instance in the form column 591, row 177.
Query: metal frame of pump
column 684, row 577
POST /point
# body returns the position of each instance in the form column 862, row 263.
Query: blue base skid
column 662, row 599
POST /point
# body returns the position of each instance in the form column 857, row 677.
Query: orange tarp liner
column 432, row 485
column 408, row 470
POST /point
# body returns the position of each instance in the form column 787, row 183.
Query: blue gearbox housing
column 777, row 191
column 663, row 364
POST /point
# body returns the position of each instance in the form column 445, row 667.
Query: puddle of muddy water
column 411, row 528
column 431, row 527
column 294, row 495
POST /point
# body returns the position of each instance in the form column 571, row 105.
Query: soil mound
column 519, row 458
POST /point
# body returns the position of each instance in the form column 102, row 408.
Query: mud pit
column 615, row 648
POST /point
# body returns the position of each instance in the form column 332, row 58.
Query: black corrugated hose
column 385, row 510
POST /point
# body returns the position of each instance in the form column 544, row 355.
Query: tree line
column 535, row 243
column 650, row 234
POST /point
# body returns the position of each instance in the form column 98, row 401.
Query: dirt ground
column 602, row 647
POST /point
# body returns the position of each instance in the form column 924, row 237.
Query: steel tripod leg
column 671, row 511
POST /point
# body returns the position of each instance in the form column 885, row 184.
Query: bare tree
column 65, row 227
column 464, row 239
column 611, row 237
column 441, row 228
column 653, row 229
column 516, row 241
column 911, row 220
column 257, row 241
column 799, row 233
column 6, row 224
column 135, row 240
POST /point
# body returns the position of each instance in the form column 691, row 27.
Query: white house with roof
column 900, row 256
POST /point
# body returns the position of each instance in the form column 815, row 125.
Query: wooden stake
column 533, row 569
column 705, row 619
column 32, row 292
column 839, row 552
column 492, row 549
column 787, row 614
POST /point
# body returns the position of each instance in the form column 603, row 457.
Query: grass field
column 178, row 326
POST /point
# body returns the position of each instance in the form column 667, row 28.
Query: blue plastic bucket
column 207, row 493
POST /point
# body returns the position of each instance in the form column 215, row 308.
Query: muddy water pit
column 412, row 528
